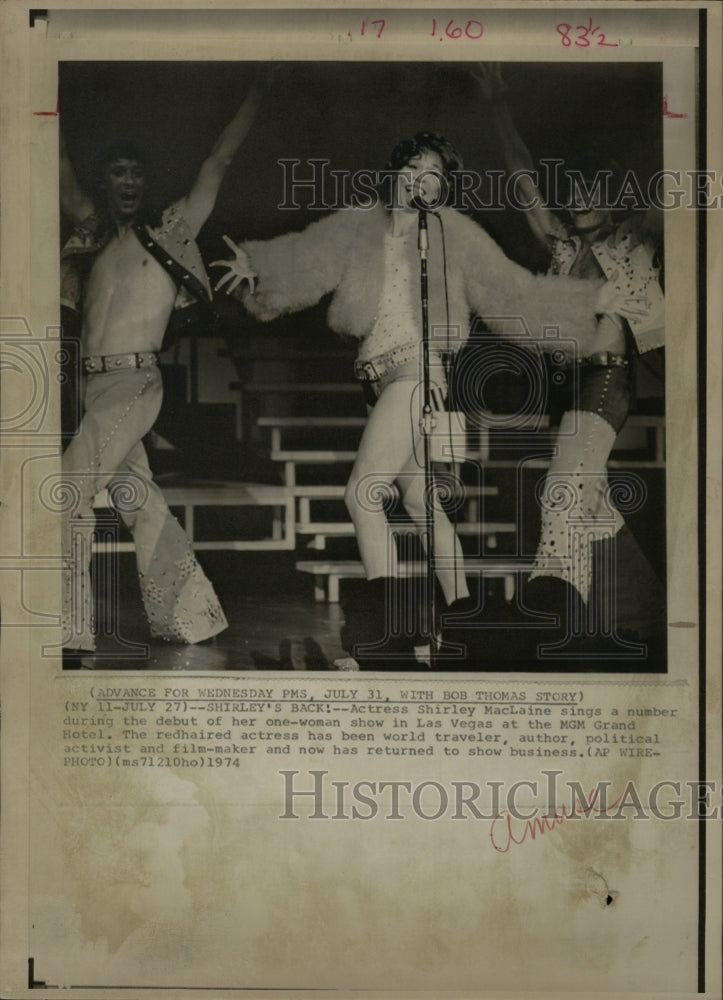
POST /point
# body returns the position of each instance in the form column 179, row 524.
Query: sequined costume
column 578, row 513
column 123, row 397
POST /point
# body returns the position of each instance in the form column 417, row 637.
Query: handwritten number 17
column 381, row 23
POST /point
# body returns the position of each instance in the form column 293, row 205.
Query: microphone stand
column 427, row 424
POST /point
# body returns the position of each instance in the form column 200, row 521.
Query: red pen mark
column 472, row 30
column 671, row 114
column 379, row 25
column 512, row 835
column 52, row 114
column 585, row 35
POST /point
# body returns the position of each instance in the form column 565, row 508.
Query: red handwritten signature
column 504, row 832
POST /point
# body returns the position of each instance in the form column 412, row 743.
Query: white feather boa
column 343, row 254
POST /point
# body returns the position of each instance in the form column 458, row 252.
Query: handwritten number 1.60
column 472, row 29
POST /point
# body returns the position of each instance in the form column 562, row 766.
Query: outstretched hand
column 488, row 76
column 239, row 269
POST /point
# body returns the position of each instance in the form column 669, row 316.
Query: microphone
column 423, row 240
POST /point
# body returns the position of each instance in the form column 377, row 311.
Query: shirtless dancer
column 133, row 274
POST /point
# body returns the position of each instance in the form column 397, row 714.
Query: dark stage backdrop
column 352, row 114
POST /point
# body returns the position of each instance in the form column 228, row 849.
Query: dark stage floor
column 274, row 624
column 270, row 609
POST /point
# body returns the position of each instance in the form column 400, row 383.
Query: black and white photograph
column 494, row 500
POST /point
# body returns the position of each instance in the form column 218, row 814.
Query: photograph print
column 364, row 366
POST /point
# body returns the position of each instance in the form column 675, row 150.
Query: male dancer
column 125, row 274
column 584, row 536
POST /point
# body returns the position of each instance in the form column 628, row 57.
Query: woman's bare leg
column 384, row 451
column 449, row 558
column 390, row 450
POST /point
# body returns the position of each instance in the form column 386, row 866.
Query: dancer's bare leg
column 384, row 451
column 449, row 558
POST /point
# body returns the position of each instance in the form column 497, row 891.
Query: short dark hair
column 119, row 149
column 425, row 142
column 591, row 165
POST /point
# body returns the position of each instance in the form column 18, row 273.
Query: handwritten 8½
column 472, row 29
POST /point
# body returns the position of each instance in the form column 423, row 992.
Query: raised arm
column 493, row 89
column 198, row 203
column 644, row 227
column 74, row 202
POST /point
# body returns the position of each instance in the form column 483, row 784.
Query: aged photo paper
column 213, row 781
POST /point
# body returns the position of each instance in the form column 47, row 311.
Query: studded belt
column 99, row 363
column 375, row 368
column 605, row 359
